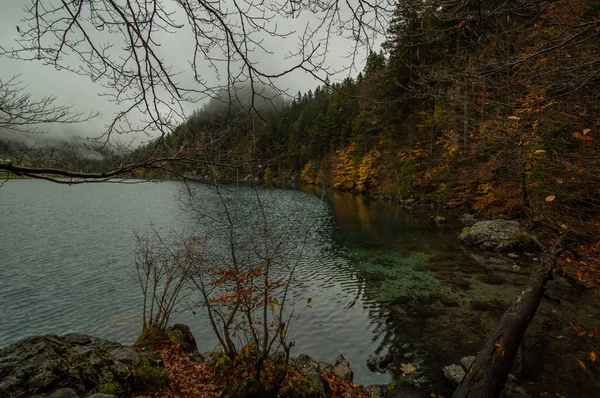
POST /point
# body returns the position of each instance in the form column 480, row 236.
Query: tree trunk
column 490, row 370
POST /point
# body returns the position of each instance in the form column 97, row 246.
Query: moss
column 112, row 388
column 149, row 375
column 466, row 230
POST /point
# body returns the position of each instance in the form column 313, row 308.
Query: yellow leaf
column 593, row 356
column 540, row 151
column 560, row 337
column 550, row 198
column 514, row 118
column 582, row 365
column 272, row 307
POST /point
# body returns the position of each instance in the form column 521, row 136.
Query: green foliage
column 149, row 375
column 111, row 388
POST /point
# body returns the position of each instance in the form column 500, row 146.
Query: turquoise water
column 380, row 278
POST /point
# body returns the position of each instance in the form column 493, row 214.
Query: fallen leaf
column 514, row 118
column 540, row 151
column 550, row 198
column 593, row 332
column 586, row 131
column 577, row 135
column 408, row 368
column 596, row 247
column 582, row 365
column 559, row 180
column 593, row 356
column 560, row 337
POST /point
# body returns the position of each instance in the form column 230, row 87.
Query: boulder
column 183, row 335
column 342, row 369
column 497, row 235
column 455, row 374
column 69, row 366
column 468, row 219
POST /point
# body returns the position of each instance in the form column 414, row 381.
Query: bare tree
column 163, row 275
column 118, row 44
column 21, row 112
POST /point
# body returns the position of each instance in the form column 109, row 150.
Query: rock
column 306, row 363
column 342, row 369
column 322, row 388
column 455, row 374
column 466, row 363
column 512, row 389
column 440, row 221
column 186, row 340
column 497, row 235
column 379, row 363
column 468, row 219
column 67, row 366
column 62, row 393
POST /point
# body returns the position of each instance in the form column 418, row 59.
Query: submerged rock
column 440, row 221
column 69, row 366
column 497, row 235
column 379, row 363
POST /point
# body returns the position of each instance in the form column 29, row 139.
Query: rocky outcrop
column 71, row 366
column 498, row 235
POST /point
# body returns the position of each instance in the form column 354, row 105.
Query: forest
column 487, row 106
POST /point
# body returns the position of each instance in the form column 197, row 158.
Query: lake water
column 380, row 278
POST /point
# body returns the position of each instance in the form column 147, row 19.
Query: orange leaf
column 593, row 332
column 596, row 247
column 581, row 365
column 577, row 135
column 586, row 131
column 559, row 180
column 550, row 198
column 593, row 356
column 560, row 337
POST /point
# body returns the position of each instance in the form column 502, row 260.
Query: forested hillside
column 491, row 105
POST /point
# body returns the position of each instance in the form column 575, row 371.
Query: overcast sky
column 79, row 91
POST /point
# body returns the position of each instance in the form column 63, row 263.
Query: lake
column 380, row 278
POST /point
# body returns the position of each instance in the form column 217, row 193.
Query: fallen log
column 489, row 371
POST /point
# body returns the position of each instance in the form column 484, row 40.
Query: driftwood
column 489, row 371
